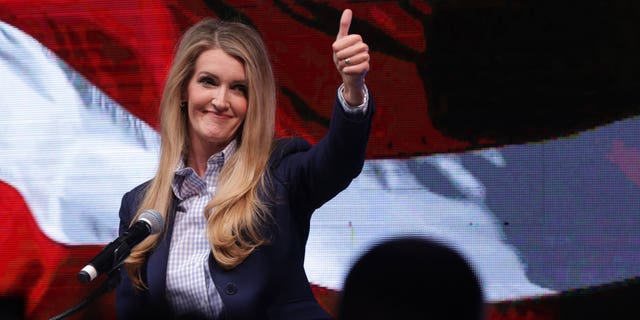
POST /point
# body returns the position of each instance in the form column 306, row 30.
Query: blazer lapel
column 157, row 263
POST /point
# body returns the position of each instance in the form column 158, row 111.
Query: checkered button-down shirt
column 190, row 289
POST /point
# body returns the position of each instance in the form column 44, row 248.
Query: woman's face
column 217, row 100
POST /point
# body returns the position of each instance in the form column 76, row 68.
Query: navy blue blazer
column 271, row 283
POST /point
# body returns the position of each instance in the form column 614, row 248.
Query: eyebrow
column 209, row 74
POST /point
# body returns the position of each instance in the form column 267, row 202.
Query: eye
column 207, row 81
column 241, row 88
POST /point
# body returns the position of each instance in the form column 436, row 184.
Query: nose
column 219, row 99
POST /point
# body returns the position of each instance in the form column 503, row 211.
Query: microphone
column 112, row 256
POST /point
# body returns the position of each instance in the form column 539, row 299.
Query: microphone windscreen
column 154, row 220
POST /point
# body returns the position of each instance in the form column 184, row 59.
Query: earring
column 183, row 104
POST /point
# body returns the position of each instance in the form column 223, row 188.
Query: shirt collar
column 187, row 183
column 224, row 155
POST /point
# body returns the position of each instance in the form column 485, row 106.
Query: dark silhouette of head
column 411, row 278
column 12, row 308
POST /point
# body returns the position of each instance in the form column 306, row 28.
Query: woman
column 237, row 202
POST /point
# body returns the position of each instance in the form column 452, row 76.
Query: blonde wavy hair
column 235, row 214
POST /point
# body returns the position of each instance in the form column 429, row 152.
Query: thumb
column 345, row 23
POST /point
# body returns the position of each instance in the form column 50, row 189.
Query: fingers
column 357, row 64
column 349, row 47
column 354, row 60
column 350, row 53
column 345, row 23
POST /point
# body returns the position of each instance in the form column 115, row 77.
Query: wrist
column 353, row 97
column 354, row 102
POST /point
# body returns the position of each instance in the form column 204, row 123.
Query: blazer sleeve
column 315, row 176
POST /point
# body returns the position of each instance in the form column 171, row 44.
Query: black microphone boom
column 112, row 256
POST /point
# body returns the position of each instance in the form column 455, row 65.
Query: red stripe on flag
column 38, row 270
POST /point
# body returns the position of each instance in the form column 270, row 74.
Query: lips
column 217, row 114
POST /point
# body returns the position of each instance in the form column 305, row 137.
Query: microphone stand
column 109, row 284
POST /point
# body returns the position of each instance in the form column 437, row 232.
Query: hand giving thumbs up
column 351, row 57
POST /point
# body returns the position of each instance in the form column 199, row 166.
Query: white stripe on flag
column 70, row 150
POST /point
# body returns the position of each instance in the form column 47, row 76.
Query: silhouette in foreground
column 411, row 278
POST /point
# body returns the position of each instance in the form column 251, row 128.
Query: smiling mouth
column 217, row 114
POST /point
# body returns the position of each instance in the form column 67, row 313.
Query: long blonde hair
column 235, row 214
